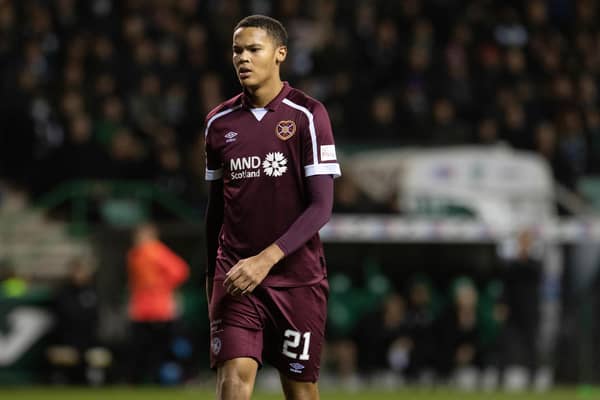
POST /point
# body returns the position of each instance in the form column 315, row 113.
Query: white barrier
column 390, row 229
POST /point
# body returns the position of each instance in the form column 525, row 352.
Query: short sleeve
column 214, row 166
column 320, row 156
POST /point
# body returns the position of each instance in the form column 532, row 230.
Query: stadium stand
column 106, row 94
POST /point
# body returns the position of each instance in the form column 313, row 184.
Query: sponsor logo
column 252, row 162
column 275, row 164
column 285, row 129
column 230, row 137
column 245, row 167
column 296, row 367
column 328, row 152
column 215, row 345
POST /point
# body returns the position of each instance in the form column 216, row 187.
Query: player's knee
column 233, row 387
column 300, row 390
column 234, row 383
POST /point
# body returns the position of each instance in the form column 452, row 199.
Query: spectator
column 546, row 146
column 12, row 285
column 75, row 356
column 128, row 157
column 457, row 331
column 154, row 273
column 110, row 120
column 445, row 128
column 522, row 282
column 592, row 119
column 383, row 338
column 514, row 126
column 487, row 131
column 383, row 117
column 82, row 157
column 572, row 144
column 421, row 314
column 171, row 176
column 494, row 314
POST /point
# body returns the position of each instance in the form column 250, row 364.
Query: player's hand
column 246, row 275
column 249, row 272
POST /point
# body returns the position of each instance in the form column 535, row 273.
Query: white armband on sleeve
column 214, row 174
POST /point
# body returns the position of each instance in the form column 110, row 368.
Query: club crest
column 216, row 345
column 285, row 129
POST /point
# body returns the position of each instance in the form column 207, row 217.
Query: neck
column 261, row 96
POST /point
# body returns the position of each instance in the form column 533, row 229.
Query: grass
column 149, row 393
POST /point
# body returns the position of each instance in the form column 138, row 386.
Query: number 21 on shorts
column 292, row 343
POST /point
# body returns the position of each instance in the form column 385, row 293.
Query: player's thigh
column 297, row 390
column 296, row 336
column 236, row 327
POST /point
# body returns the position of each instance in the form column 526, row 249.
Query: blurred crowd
column 119, row 89
column 463, row 329
column 385, row 326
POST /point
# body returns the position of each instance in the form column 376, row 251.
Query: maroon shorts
column 285, row 326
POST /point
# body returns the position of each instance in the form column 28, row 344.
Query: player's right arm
column 215, row 205
column 214, row 221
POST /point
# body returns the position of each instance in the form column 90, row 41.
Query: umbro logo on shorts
column 296, row 367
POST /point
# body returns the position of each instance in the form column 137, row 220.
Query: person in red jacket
column 154, row 273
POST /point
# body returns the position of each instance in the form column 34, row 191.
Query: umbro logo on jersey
column 230, row 136
column 285, row 129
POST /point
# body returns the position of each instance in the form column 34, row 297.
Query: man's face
column 256, row 56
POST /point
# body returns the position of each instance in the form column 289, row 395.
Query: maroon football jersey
column 263, row 157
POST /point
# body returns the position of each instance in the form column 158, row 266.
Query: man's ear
column 281, row 54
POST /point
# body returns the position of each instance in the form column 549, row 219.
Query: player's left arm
column 248, row 273
column 318, row 212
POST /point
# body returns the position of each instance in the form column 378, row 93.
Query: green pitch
column 131, row 393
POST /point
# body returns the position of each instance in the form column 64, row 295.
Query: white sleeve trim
column 323, row 169
column 214, row 174
column 219, row 115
